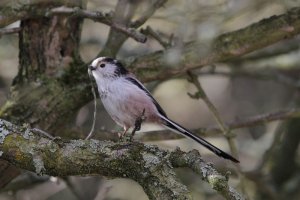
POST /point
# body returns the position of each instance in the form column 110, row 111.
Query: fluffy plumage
column 125, row 98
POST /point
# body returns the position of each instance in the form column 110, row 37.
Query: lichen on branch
column 150, row 166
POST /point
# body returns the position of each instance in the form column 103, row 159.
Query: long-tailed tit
column 126, row 99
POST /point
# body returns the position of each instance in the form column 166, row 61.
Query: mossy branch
column 149, row 165
column 227, row 46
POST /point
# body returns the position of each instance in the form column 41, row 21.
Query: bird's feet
column 138, row 124
column 137, row 127
column 124, row 137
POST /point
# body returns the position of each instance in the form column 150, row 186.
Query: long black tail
column 177, row 128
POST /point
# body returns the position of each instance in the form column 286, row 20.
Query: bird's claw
column 124, row 138
column 138, row 123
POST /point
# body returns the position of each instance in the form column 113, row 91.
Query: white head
column 105, row 67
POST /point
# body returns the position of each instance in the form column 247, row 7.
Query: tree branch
column 227, row 46
column 193, row 161
column 26, row 13
column 21, row 10
column 227, row 132
column 276, row 75
column 152, row 7
column 7, row 31
column 104, row 134
column 236, row 124
column 200, row 94
column 124, row 11
column 99, row 17
column 148, row 165
column 150, row 32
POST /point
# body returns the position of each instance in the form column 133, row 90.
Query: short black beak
column 92, row 68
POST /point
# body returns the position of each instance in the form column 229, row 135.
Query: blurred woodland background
column 253, row 82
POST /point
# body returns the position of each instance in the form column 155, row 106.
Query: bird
column 127, row 100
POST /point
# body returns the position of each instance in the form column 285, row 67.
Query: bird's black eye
column 102, row 65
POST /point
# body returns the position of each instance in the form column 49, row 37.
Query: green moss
column 8, row 104
column 218, row 182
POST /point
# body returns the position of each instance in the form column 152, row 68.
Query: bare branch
column 124, row 11
column 264, row 118
column 7, row 31
column 226, row 46
column 202, row 95
column 149, row 31
column 236, row 124
column 21, row 10
column 99, row 17
column 272, row 51
column 203, row 132
column 277, row 75
column 148, row 165
column 227, row 132
column 13, row 16
column 149, row 12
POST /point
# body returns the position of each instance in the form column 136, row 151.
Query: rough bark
column 48, row 64
column 226, row 46
column 147, row 164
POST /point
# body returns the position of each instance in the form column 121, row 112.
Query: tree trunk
column 48, row 55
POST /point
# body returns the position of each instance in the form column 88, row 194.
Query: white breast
column 124, row 101
column 113, row 100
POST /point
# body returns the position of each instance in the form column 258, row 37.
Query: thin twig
column 202, row 95
column 149, row 12
column 99, row 17
column 149, row 31
column 123, row 14
column 105, row 18
column 207, row 132
column 225, row 130
column 264, row 118
column 236, row 124
column 95, row 107
column 264, row 74
column 6, row 31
